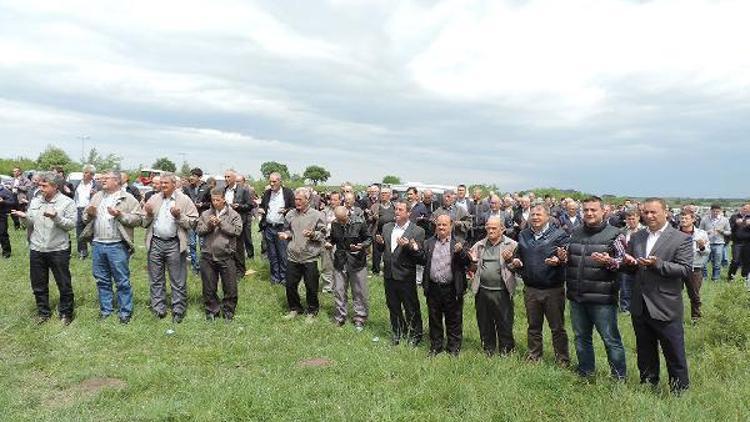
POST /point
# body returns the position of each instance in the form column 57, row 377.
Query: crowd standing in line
column 603, row 259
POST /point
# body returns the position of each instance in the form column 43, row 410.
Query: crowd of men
column 596, row 258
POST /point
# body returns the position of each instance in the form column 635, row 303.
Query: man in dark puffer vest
column 592, row 261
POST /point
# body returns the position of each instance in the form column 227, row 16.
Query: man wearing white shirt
column 401, row 241
column 82, row 196
column 168, row 217
column 661, row 258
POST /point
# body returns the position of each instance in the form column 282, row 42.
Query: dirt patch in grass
column 82, row 391
column 315, row 363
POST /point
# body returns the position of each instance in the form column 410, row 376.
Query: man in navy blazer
column 661, row 258
column 401, row 241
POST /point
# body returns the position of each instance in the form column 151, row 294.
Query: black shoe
column 432, row 353
column 66, row 319
column 210, row 317
column 395, row 341
column 161, row 315
column 177, row 318
column 41, row 319
column 228, row 317
column 6, row 255
column 103, row 317
column 125, row 319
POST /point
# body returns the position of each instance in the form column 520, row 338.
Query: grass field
column 262, row 368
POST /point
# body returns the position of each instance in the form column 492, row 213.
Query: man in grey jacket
column 305, row 229
column 221, row 228
column 49, row 217
column 718, row 229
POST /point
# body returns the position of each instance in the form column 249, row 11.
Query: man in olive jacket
column 220, row 227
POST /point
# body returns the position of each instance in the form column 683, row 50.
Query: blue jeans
column 111, row 263
column 584, row 317
column 717, row 254
column 192, row 248
column 276, row 251
column 626, row 290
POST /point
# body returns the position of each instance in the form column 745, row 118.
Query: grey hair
column 168, row 175
column 51, row 177
column 116, row 174
column 497, row 219
column 275, row 173
column 305, row 192
column 89, row 167
column 542, row 207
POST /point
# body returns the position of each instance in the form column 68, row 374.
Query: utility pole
column 83, row 139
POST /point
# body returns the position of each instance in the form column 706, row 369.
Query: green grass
column 251, row 369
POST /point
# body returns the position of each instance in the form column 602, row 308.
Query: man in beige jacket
column 109, row 221
column 167, row 217
column 494, row 284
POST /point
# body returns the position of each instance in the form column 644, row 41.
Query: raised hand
column 601, row 258
column 114, row 212
column 175, row 212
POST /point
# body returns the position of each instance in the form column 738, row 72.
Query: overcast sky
column 623, row 97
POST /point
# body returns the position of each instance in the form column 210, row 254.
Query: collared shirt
column 229, row 194
column 463, row 203
column 275, row 204
column 105, row 225
column 397, row 233
column 83, row 194
column 573, row 219
column 51, row 234
column 538, row 234
column 165, row 225
column 653, row 237
column 440, row 266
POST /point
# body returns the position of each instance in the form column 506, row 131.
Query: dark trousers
column 4, row 238
column 403, row 308
column 239, row 255
column 736, row 258
column 495, row 319
column 693, row 286
column 40, row 265
column 444, row 305
column 294, row 273
column 211, row 270
column 81, row 245
column 276, row 251
column 550, row 304
column 377, row 257
column 745, row 260
column 16, row 220
column 247, row 236
column 649, row 335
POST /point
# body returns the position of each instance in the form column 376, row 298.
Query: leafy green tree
column 54, row 156
column 392, row 180
column 185, row 169
column 316, row 174
column 164, row 164
column 272, row 166
column 108, row 162
column 7, row 164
